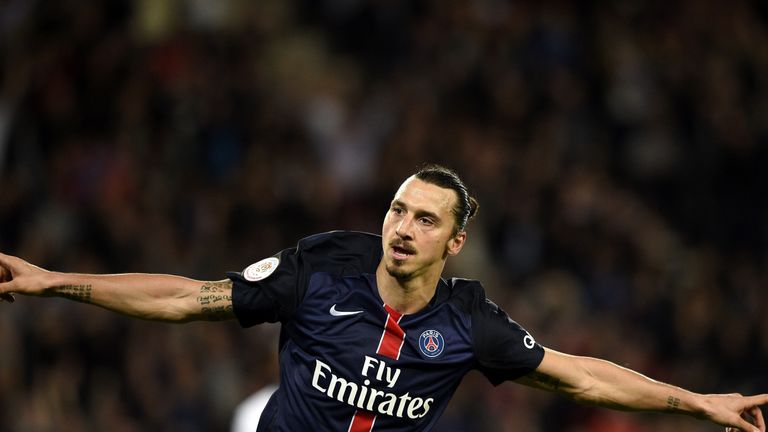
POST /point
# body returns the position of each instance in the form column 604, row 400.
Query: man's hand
column 19, row 276
column 737, row 412
column 5, row 276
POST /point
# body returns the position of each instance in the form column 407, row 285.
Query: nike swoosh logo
column 335, row 312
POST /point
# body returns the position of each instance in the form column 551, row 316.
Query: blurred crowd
column 618, row 152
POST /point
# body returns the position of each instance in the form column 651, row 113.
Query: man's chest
column 347, row 341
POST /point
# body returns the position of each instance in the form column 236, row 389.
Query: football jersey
column 349, row 362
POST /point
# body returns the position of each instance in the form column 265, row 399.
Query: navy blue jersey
column 349, row 362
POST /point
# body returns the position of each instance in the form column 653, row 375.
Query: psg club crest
column 431, row 343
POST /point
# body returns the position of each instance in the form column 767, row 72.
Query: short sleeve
column 268, row 294
column 505, row 350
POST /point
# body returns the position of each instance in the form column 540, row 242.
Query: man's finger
column 757, row 400
column 6, row 292
column 6, row 288
column 8, row 261
column 746, row 426
column 757, row 416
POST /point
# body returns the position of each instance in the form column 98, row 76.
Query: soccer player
column 372, row 337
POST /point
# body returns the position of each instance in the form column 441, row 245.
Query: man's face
column 418, row 231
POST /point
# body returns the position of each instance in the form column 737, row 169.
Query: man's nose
column 403, row 229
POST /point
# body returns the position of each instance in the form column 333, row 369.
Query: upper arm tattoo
column 215, row 300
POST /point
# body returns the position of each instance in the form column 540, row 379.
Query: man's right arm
column 147, row 296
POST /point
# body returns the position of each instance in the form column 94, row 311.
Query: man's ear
column 456, row 243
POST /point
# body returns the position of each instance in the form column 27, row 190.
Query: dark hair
column 466, row 205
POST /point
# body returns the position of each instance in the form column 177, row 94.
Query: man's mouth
column 401, row 251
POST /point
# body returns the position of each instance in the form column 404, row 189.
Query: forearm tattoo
column 673, row 403
column 215, row 300
column 546, row 381
column 81, row 293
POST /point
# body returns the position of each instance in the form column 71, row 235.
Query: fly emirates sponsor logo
column 368, row 398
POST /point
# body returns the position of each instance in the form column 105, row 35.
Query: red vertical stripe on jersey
column 392, row 339
column 389, row 346
column 362, row 422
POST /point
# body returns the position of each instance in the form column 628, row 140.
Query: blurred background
column 618, row 150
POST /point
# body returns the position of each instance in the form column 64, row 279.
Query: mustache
column 402, row 245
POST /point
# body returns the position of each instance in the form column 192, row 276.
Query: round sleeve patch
column 261, row 270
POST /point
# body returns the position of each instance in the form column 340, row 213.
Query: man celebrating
column 372, row 337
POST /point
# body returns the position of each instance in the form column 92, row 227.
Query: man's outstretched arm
column 147, row 296
column 601, row 383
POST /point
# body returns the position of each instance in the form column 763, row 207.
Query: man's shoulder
column 341, row 239
column 342, row 242
column 464, row 293
column 462, row 285
column 342, row 249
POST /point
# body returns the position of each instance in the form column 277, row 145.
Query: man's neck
column 406, row 296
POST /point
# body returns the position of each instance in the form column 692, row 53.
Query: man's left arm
column 601, row 383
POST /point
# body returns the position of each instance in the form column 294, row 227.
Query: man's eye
column 426, row 221
column 397, row 210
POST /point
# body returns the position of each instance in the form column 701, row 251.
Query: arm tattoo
column 81, row 293
column 546, row 381
column 673, row 403
column 215, row 300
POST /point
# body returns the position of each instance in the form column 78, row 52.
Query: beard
column 398, row 272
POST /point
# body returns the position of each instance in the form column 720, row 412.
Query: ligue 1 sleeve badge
column 261, row 270
column 431, row 343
